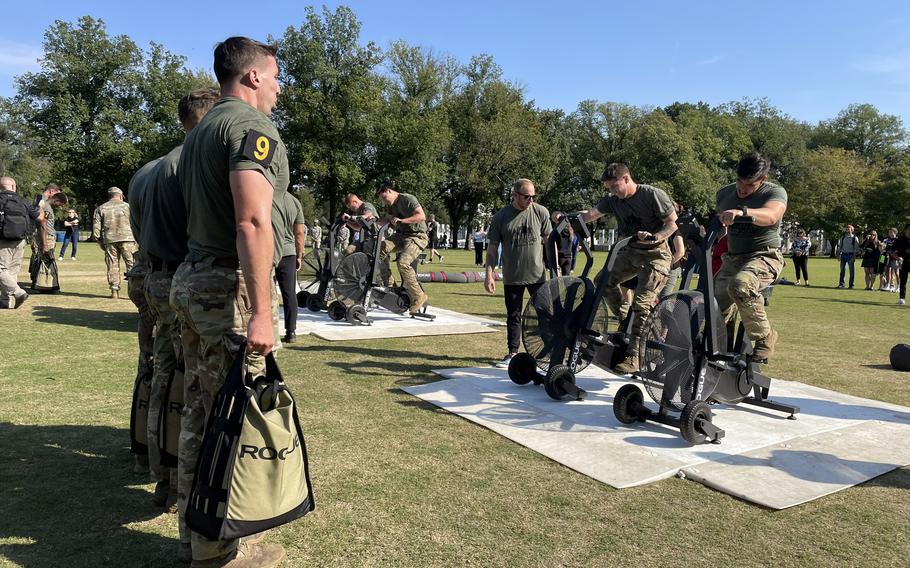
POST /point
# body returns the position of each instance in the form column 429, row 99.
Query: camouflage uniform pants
column 167, row 351
column 146, row 330
column 113, row 252
column 738, row 286
column 652, row 267
column 409, row 248
column 214, row 310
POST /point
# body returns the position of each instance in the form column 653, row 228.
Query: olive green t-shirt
column 403, row 208
column 645, row 210
column 366, row 207
column 232, row 136
column 742, row 238
column 137, row 193
column 522, row 234
column 286, row 212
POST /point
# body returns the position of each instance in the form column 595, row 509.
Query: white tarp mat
column 387, row 324
column 837, row 440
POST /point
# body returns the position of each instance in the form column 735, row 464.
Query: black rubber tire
column 693, row 412
column 302, row 297
column 314, row 303
column 337, row 311
column 356, row 315
column 554, row 381
column 522, row 369
column 626, row 403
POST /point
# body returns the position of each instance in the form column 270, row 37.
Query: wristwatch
column 744, row 209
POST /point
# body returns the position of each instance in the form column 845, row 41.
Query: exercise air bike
column 687, row 363
column 565, row 323
column 357, row 284
column 318, row 269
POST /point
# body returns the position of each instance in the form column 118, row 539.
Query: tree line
column 456, row 134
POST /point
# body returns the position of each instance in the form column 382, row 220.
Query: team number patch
column 259, row 148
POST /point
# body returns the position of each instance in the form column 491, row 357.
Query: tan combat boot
column 246, row 556
column 115, row 294
column 628, row 365
column 764, row 348
column 418, row 303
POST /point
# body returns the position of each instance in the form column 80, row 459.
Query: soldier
column 45, row 238
column 158, row 218
column 231, row 165
column 111, row 228
column 289, row 229
column 753, row 260
column 135, row 278
column 647, row 214
column 406, row 216
column 357, row 207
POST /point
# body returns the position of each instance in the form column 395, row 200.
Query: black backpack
column 15, row 219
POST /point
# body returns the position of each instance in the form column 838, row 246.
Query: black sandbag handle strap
column 237, row 375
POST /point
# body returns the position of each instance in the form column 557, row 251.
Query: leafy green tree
column 776, row 135
column 865, row 130
column 888, row 203
column 331, row 103
column 413, row 134
column 827, row 189
column 658, row 154
column 97, row 108
column 498, row 137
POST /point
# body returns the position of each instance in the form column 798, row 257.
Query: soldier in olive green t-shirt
column 753, row 261
column 406, row 216
column 231, row 166
column 522, row 227
column 288, row 226
column 646, row 214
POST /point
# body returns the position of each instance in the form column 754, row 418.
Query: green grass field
column 401, row 483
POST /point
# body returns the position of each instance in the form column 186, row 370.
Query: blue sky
column 811, row 59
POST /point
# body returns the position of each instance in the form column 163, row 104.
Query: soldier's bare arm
column 252, row 194
column 299, row 240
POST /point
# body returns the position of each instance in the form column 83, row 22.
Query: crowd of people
column 209, row 228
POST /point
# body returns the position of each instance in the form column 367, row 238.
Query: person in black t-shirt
column 902, row 250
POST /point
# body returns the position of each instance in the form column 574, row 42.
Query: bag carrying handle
column 238, row 375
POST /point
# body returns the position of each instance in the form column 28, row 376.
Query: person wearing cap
column 406, row 216
column 111, row 230
column 646, row 214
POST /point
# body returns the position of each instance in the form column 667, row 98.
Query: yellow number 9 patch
column 259, row 147
column 262, row 148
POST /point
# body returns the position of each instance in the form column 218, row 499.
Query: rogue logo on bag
column 266, row 452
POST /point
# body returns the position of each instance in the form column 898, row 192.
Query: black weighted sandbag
column 900, row 357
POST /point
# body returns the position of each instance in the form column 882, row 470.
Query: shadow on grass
column 880, row 367
column 897, row 479
column 839, row 301
column 82, row 294
column 67, row 499
column 91, row 319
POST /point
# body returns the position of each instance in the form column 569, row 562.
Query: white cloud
column 19, row 57
column 710, row 61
